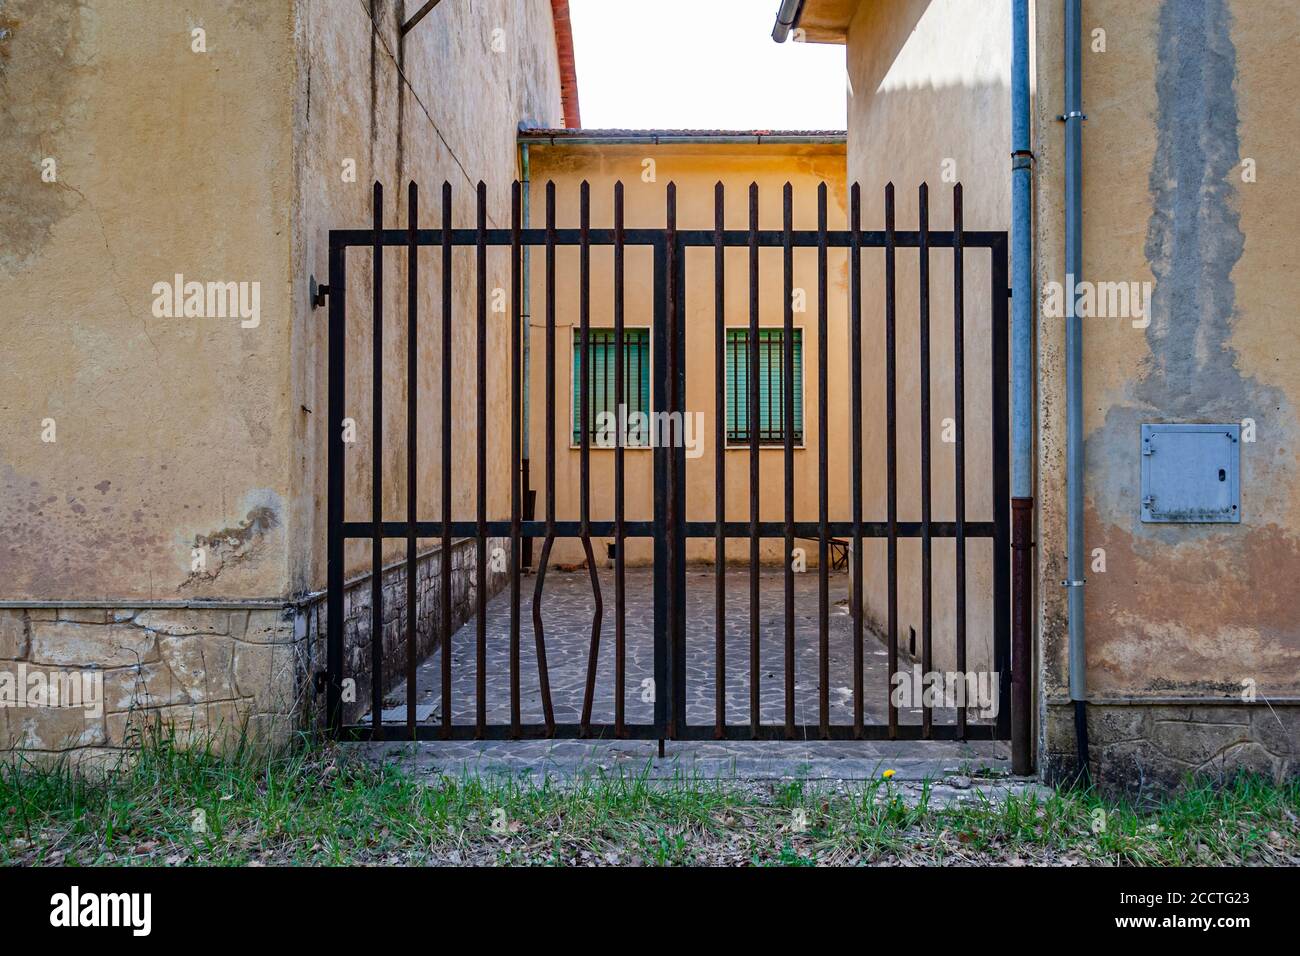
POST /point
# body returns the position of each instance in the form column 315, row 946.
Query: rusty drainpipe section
column 1022, row 338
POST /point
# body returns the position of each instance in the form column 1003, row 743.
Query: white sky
column 701, row 64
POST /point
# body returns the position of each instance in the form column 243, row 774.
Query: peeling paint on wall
column 1189, row 608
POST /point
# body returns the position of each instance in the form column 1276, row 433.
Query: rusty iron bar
column 891, row 458
column 412, row 416
column 823, row 480
column 651, row 731
column 334, row 565
column 516, row 452
column 927, row 552
column 585, row 418
column 480, row 395
column 787, row 439
column 444, row 556
column 959, row 434
column 539, row 635
column 1000, row 465
column 1022, row 529
column 620, row 530
column 377, row 467
column 719, row 466
column 676, row 714
column 855, row 471
column 754, row 539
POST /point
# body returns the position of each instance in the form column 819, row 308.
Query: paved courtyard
column 566, row 613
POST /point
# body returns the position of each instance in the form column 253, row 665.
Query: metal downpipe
column 1073, row 118
column 1022, row 334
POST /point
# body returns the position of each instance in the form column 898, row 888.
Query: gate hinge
column 317, row 293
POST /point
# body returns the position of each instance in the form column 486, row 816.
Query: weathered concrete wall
column 695, row 169
column 929, row 102
column 195, row 438
column 170, row 433
column 441, row 105
column 444, row 104
column 1184, row 93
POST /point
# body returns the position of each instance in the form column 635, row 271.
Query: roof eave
column 568, row 67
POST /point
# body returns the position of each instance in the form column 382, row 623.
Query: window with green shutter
column 771, row 383
column 602, row 383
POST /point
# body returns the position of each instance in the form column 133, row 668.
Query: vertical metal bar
column 754, row 540
column 539, row 636
column 787, row 435
column 1001, row 491
column 620, row 399
column 516, row 451
column 891, row 458
column 719, row 468
column 588, row 377
column 855, row 473
column 927, row 545
column 959, row 424
column 412, row 389
column 676, row 719
column 444, row 556
column 376, row 469
column 1021, row 614
column 823, row 480
column 334, row 544
column 480, row 665
column 662, row 583
column 680, row 332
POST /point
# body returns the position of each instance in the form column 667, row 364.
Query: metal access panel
column 1191, row 473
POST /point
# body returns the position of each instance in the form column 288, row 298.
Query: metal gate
column 669, row 530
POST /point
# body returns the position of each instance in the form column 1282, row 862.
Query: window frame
column 575, row 335
column 779, row 445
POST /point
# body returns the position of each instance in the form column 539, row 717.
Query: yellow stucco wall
column 168, row 431
column 224, row 164
column 1181, row 95
column 695, row 169
column 449, row 110
column 929, row 102
column 227, row 165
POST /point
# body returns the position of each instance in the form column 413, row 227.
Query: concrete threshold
column 949, row 772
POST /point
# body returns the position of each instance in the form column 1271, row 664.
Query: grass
column 321, row 805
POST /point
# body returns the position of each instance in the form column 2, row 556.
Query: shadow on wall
column 930, row 102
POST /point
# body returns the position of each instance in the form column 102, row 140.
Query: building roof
column 757, row 137
column 817, row 21
column 568, row 68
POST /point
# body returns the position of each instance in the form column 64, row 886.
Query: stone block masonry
column 1140, row 749
column 358, row 619
column 208, row 672
column 204, row 672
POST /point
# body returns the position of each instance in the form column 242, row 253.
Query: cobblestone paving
column 566, row 614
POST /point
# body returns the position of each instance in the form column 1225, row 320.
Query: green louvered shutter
column 771, row 397
column 601, row 382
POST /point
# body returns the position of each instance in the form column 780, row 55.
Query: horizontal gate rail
column 764, row 238
column 669, row 529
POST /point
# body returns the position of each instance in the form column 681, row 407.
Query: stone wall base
column 1143, row 749
column 358, row 620
column 220, row 673
column 212, row 673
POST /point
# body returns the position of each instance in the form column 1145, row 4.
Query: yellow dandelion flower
column 887, row 774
